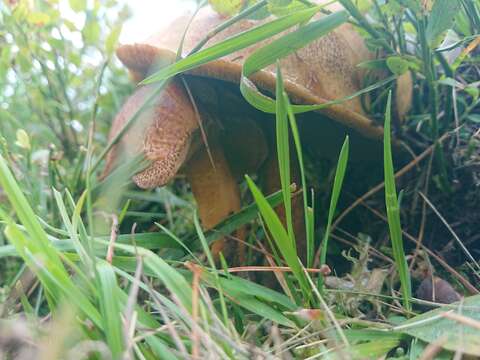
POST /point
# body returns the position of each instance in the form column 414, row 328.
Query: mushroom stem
column 217, row 195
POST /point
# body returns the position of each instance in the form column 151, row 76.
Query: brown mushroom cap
column 322, row 71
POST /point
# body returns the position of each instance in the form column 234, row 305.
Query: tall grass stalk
column 393, row 212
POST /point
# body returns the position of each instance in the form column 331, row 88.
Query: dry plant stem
column 280, row 278
column 398, row 174
column 168, row 323
column 329, row 313
column 455, row 273
column 462, row 320
column 113, row 239
column 199, row 120
column 324, row 270
column 421, row 232
column 216, row 193
column 449, row 228
column 24, row 285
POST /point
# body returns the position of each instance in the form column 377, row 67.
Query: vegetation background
column 65, row 295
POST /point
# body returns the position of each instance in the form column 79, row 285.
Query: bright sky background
column 151, row 15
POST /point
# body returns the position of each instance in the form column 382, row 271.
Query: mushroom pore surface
column 162, row 132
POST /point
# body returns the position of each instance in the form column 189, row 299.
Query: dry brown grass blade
column 113, row 239
column 433, row 349
column 423, row 221
column 449, row 228
column 324, row 269
column 463, row 320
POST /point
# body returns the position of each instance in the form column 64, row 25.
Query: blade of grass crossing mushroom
column 393, row 212
column 230, row 224
column 280, row 48
column 308, row 211
column 283, row 152
column 266, row 104
column 245, row 13
column 281, row 238
column 232, row 44
column 284, row 46
column 294, row 41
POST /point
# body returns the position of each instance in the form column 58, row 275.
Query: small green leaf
column 112, row 40
column 78, row 5
column 38, row 18
column 473, row 91
column 23, row 139
column 226, row 7
column 285, row 7
column 91, row 32
column 110, row 307
column 441, row 18
column 397, row 65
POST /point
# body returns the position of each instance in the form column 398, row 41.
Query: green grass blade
column 393, row 213
column 172, row 279
column 110, row 308
column 280, row 48
column 266, row 104
column 206, row 250
column 280, row 236
column 292, row 42
column 337, row 187
column 283, row 152
column 26, row 214
column 309, row 215
column 247, row 287
column 244, row 216
column 72, row 228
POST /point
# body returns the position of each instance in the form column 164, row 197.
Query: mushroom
column 204, row 105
